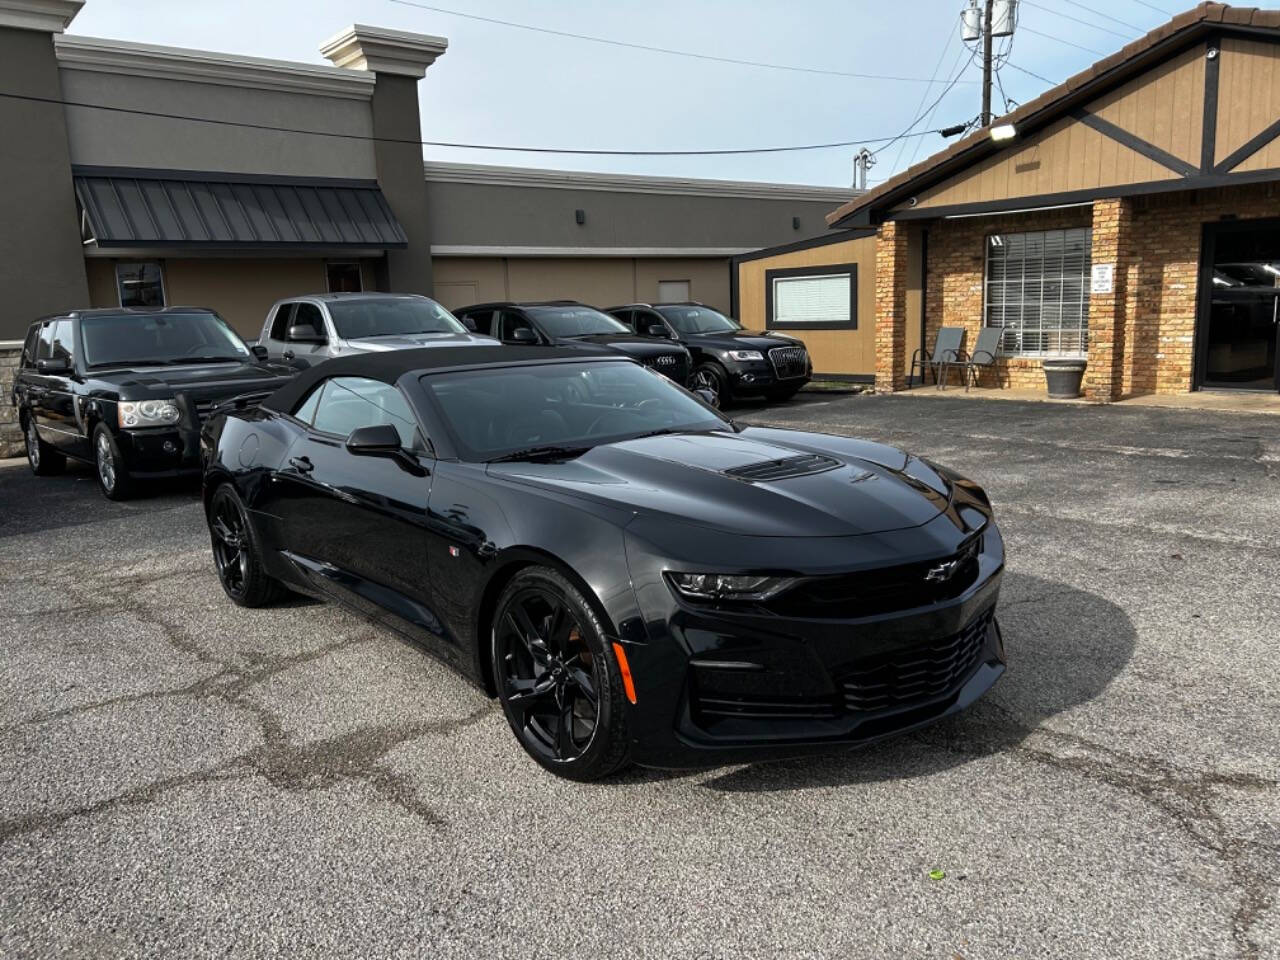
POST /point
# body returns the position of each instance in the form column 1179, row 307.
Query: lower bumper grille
column 789, row 362
column 914, row 676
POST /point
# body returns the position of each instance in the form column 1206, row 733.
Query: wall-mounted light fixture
column 1003, row 131
column 579, row 216
column 795, row 223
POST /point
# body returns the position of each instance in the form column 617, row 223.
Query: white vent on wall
column 802, row 300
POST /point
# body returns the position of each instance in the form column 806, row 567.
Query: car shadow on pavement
column 1064, row 647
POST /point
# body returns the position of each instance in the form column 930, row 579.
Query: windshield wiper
column 545, row 452
column 199, row 359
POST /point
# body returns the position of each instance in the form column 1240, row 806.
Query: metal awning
column 148, row 209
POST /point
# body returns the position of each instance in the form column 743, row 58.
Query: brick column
column 1112, row 243
column 891, row 307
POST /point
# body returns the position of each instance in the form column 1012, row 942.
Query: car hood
column 141, row 382
column 741, row 340
column 866, row 488
column 412, row 341
column 632, row 346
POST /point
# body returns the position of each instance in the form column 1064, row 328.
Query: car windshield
column 698, row 320
column 510, row 412
column 574, row 321
column 198, row 336
column 365, row 319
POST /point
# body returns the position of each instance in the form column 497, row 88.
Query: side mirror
column 259, row 351
column 379, row 440
column 54, row 365
column 523, row 335
column 707, row 397
column 305, row 333
column 656, row 330
column 469, row 324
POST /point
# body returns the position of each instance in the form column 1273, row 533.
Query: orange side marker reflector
column 628, row 684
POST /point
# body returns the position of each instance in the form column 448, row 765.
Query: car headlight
column 721, row 586
column 745, row 355
column 147, row 413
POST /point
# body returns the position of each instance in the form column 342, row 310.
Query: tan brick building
column 1129, row 217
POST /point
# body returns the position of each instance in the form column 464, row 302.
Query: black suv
column 728, row 361
column 126, row 390
column 567, row 322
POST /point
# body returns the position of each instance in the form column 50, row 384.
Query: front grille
column 910, row 677
column 789, row 362
column 868, row 593
column 746, row 708
column 205, row 408
column 784, row 469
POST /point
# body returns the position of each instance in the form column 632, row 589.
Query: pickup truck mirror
column 469, row 324
column 54, row 365
column 380, row 439
column 305, row 333
column 523, row 335
column 259, row 351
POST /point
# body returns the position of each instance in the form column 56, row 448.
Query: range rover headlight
column 148, row 413
column 742, row 355
column 722, row 586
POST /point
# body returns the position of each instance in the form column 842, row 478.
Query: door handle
column 302, row 464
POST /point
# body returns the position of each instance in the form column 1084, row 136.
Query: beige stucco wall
column 601, row 281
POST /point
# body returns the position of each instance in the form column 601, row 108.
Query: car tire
column 44, row 460
column 550, row 653
column 237, row 552
column 110, row 466
column 711, row 376
column 779, row 394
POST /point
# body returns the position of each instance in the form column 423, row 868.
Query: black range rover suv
column 728, row 361
column 126, row 389
column 564, row 323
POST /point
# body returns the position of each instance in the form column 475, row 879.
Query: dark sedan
column 126, row 390
column 569, row 323
column 636, row 578
column 728, row 361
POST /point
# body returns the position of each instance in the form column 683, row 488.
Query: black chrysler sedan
column 126, row 389
column 635, row 577
column 728, row 361
column 569, row 323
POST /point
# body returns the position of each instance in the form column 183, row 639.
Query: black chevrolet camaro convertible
column 634, row 576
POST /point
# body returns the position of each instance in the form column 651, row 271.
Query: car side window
column 29, row 346
column 308, row 315
column 347, row 403
column 280, row 325
column 511, row 322
column 44, row 348
column 483, row 319
column 626, row 316
column 306, row 411
column 63, row 346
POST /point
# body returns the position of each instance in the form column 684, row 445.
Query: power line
column 1067, row 16
column 923, row 96
column 1105, row 16
column 1049, row 36
column 929, row 119
column 466, row 146
column 1029, row 73
column 663, row 50
column 1152, row 6
column 949, row 87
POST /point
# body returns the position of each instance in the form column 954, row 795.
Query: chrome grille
column 789, row 362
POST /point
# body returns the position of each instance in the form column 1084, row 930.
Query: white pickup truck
column 305, row 330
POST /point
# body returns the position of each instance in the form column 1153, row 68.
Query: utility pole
column 862, row 161
column 986, row 64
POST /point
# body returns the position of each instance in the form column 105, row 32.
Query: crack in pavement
column 1185, row 797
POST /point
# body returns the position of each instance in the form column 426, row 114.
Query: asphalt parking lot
column 179, row 777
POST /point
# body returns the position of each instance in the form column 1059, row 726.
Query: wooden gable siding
column 1164, row 106
column 1248, row 99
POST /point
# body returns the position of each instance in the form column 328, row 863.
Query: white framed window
column 1037, row 291
column 812, row 297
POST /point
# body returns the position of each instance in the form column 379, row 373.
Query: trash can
column 1063, row 378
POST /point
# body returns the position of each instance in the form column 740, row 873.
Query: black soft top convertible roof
column 390, row 365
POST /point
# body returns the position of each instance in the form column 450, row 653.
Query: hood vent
column 784, row 469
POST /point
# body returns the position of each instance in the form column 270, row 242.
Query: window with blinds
column 824, row 299
column 1037, row 291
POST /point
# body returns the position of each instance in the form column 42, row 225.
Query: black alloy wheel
column 45, row 461
column 235, row 552
column 559, row 685
column 110, row 466
column 708, row 377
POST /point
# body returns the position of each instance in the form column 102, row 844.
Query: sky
column 507, row 86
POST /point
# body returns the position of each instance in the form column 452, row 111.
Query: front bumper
column 750, row 377
column 721, row 687
column 156, row 452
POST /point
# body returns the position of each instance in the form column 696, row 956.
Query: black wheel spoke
column 518, row 622
column 564, row 727
column 585, row 684
column 527, row 692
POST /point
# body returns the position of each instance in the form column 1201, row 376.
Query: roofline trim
column 481, row 250
column 493, row 175
column 843, row 235
column 100, row 55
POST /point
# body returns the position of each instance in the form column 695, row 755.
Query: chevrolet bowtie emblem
column 943, row 571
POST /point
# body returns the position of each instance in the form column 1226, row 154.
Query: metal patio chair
column 947, row 352
column 983, row 356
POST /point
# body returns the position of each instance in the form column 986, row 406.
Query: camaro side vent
column 784, row 469
column 205, row 408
